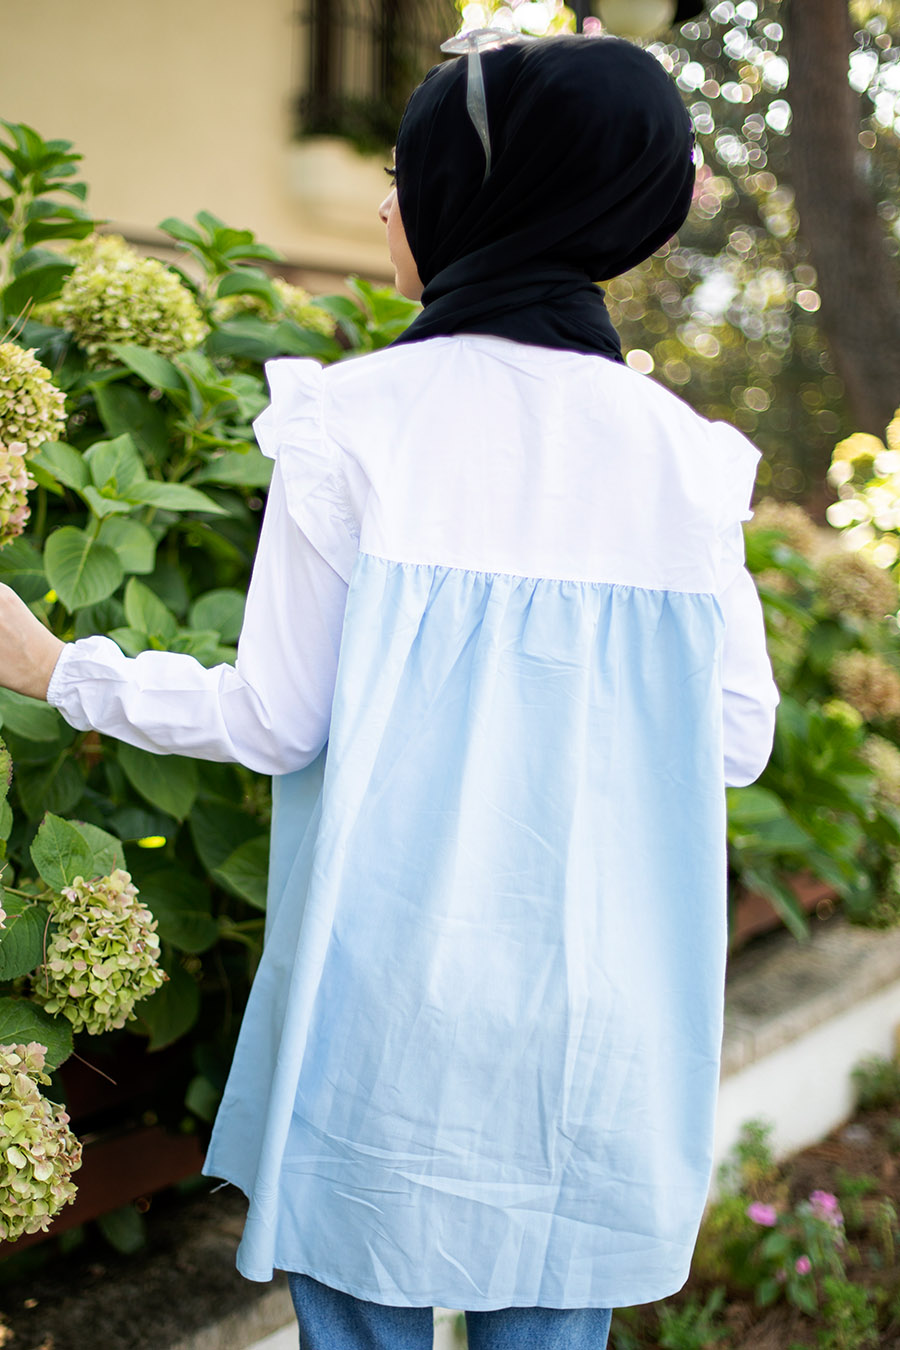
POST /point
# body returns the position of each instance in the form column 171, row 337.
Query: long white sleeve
column 749, row 693
column 270, row 712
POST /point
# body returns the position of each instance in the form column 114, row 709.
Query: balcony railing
column 359, row 61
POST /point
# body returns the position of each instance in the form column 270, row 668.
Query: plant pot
column 753, row 915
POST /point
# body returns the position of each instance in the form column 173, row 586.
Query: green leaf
column 64, row 463
column 30, row 718
column 202, row 1098
column 180, row 230
column 57, row 786
column 173, row 497
column 180, row 904
column 253, row 339
column 125, row 409
column 217, row 828
column 79, row 569
column 166, row 781
column 22, row 1021
column 124, row 1229
column 245, row 871
column 60, row 853
column 116, row 463
column 133, row 544
column 147, row 613
column 222, row 611
column 248, row 281
column 753, row 805
column 38, row 284
column 131, row 640
column 766, row 882
column 152, row 368
column 107, row 852
column 237, row 468
column 105, row 506
column 22, row 568
column 172, row 1010
column 22, row 937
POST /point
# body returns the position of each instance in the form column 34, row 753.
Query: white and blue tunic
column 480, row 1059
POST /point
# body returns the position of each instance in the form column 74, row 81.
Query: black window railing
column 360, row 60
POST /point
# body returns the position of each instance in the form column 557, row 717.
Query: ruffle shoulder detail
column 292, row 431
column 737, row 460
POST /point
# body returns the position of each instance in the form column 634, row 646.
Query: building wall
column 184, row 105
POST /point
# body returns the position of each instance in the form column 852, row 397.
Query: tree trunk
column 859, row 283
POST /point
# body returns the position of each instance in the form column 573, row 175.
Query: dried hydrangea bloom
column 850, row 584
column 15, row 484
column 869, row 684
column 103, row 956
column 294, row 303
column 32, row 409
column 115, row 294
column 38, row 1151
column 883, row 758
column 797, row 528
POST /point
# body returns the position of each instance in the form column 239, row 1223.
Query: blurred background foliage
column 760, row 312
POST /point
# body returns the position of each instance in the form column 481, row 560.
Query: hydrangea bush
column 114, row 295
column 829, row 801
column 132, row 887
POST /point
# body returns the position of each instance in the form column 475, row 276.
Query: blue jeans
column 330, row 1320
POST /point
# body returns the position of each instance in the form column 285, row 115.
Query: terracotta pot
column 753, row 915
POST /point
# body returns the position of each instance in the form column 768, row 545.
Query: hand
column 28, row 650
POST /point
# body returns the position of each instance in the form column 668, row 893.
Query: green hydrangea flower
column 117, row 295
column 293, row 303
column 103, row 957
column 15, row 484
column 38, row 1151
column 32, row 409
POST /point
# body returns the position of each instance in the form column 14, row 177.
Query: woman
column 502, row 575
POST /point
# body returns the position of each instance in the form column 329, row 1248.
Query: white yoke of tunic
column 480, row 1058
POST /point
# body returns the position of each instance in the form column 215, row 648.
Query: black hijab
column 592, row 171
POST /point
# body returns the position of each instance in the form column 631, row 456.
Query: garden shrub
column 132, row 886
column 828, row 802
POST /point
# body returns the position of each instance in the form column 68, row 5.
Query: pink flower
column 803, row 1265
column 765, row 1215
column 592, row 28
column 825, row 1206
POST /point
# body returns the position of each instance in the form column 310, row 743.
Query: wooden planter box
column 127, row 1155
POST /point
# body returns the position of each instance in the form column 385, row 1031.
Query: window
column 360, row 60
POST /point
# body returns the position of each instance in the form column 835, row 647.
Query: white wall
column 180, row 105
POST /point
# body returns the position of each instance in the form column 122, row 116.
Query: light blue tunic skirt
column 480, row 1059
